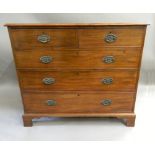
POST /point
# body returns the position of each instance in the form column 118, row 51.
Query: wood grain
column 125, row 37
column 123, row 80
column 77, row 51
column 79, row 59
column 27, row 38
column 128, row 118
column 77, row 102
column 77, row 25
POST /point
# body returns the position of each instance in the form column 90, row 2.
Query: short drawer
column 43, row 38
column 78, row 102
column 112, row 36
column 120, row 80
column 106, row 58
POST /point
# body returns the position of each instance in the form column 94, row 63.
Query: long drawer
column 115, row 80
column 106, row 58
column 78, row 102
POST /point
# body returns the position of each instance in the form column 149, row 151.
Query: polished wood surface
column 128, row 118
column 72, row 38
column 79, row 59
column 28, row 38
column 56, row 25
column 77, row 102
column 123, row 80
column 94, row 38
column 77, row 65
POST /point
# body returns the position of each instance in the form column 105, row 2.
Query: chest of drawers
column 78, row 70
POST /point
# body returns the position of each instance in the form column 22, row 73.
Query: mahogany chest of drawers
column 78, row 70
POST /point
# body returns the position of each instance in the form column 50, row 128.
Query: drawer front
column 44, row 38
column 79, row 59
column 120, row 80
column 111, row 37
column 64, row 102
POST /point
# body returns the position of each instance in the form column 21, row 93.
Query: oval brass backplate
column 107, row 81
column 46, row 59
column 43, row 38
column 48, row 81
column 106, row 102
column 108, row 59
column 110, row 38
column 51, row 102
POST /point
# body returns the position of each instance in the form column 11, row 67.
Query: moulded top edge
column 71, row 24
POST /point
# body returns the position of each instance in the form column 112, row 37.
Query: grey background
column 75, row 129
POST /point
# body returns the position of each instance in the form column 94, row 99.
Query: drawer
column 120, row 80
column 79, row 59
column 78, row 102
column 43, row 38
column 99, row 38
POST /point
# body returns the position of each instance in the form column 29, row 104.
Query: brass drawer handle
column 110, row 38
column 46, row 59
column 48, row 81
column 106, row 102
column 108, row 59
column 43, row 38
column 51, row 102
column 107, row 81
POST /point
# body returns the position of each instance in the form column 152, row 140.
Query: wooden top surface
column 71, row 24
